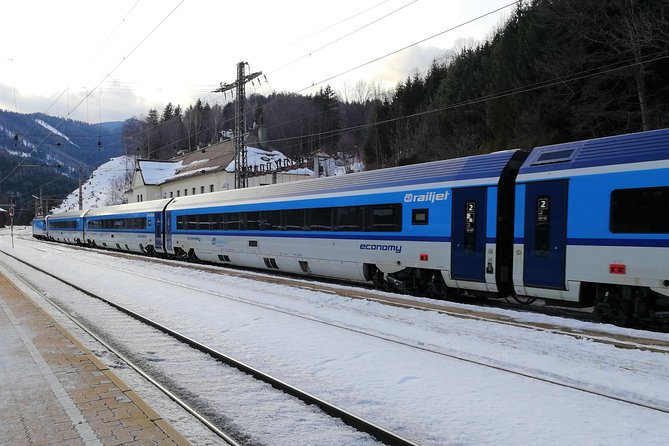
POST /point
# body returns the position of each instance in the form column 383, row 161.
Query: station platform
column 54, row 391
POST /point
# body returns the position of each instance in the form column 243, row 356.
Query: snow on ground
column 395, row 366
column 105, row 187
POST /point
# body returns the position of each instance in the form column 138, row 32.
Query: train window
column 232, row 221
column 67, row 224
column 384, row 218
column 217, row 222
column 181, row 222
column 191, row 222
column 419, row 217
column 272, row 220
column 470, row 226
column 542, row 227
column 293, row 220
column 640, row 211
column 349, row 218
column 253, row 221
column 204, row 222
column 320, row 219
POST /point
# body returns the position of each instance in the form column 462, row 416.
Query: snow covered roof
column 217, row 157
column 157, row 172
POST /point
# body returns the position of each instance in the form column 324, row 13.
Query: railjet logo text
column 373, row 247
column 428, row 197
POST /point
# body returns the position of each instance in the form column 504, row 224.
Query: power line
column 309, row 54
column 91, row 91
column 409, row 46
column 338, row 23
column 374, row 60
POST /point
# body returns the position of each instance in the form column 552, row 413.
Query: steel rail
column 345, row 416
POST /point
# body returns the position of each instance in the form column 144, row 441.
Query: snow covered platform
column 55, row 391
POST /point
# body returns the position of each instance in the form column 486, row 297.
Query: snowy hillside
column 105, row 186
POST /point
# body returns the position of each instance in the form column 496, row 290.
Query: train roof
column 621, row 149
column 130, row 208
column 68, row 214
column 486, row 168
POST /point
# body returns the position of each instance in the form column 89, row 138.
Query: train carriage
column 583, row 223
column 67, row 226
column 406, row 227
column 135, row 227
column 592, row 224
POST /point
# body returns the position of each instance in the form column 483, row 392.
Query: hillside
column 56, row 141
column 42, row 154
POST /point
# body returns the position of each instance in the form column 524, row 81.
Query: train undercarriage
column 624, row 306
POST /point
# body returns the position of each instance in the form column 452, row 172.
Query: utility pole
column 241, row 161
column 81, row 197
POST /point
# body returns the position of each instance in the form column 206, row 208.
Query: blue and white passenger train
column 583, row 223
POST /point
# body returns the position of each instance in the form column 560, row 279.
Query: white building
column 210, row 169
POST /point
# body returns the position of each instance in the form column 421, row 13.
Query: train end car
column 39, row 228
column 66, row 227
column 135, row 227
column 592, row 226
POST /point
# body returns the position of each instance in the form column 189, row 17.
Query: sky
column 98, row 61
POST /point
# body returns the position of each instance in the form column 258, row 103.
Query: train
column 579, row 224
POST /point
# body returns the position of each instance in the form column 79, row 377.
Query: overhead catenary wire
column 92, row 90
column 369, row 62
column 312, row 52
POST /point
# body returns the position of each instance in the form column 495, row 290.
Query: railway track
column 565, row 382
column 475, row 309
column 360, row 424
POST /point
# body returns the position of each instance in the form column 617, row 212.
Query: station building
column 212, row 169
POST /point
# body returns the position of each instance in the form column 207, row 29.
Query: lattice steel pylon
column 239, row 132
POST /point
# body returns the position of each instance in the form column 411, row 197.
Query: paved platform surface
column 54, row 391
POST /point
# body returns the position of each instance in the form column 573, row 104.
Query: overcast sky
column 54, row 53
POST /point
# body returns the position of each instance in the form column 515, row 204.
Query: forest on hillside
column 555, row 71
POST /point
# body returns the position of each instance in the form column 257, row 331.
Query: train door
column 468, row 234
column 167, row 221
column 158, row 244
column 545, row 234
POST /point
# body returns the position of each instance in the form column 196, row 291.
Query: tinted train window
column 205, row 222
column 253, row 221
column 542, row 226
column 349, row 218
column 640, row 211
column 68, row 224
column 384, row 218
column 470, row 226
column 320, row 219
column 272, row 220
column 294, row 220
column 232, row 221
